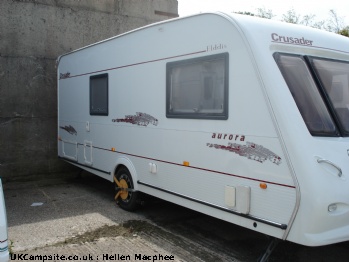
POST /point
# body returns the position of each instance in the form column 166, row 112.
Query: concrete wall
column 33, row 33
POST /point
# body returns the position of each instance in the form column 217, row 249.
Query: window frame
column 336, row 132
column 326, row 96
column 106, row 98
column 198, row 115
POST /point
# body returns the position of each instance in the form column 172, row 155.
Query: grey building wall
column 33, row 33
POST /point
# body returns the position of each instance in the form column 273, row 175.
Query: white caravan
column 240, row 118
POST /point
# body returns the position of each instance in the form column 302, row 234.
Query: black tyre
column 127, row 200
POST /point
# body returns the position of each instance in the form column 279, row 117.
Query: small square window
column 99, row 95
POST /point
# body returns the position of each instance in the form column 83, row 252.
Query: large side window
column 198, row 88
column 306, row 94
column 99, row 95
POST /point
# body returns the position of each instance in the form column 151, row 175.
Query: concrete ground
column 70, row 218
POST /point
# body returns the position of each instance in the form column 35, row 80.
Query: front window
column 306, row 94
column 334, row 79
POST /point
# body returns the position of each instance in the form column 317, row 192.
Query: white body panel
column 4, row 251
column 194, row 162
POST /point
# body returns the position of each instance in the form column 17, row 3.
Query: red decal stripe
column 199, row 168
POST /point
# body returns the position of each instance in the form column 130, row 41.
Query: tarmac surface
column 70, row 218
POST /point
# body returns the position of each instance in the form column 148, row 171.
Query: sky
column 319, row 8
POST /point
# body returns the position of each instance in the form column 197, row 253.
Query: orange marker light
column 113, row 149
column 185, row 163
column 263, row 185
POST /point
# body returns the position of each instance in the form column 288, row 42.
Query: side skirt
column 261, row 220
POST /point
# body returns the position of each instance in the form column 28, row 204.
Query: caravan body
column 240, row 118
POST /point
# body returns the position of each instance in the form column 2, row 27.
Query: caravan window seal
column 197, row 88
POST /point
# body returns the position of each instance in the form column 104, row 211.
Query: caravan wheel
column 125, row 197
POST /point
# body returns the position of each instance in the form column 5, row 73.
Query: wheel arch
column 125, row 162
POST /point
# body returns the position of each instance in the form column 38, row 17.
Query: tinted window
column 99, row 94
column 306, row 95
column 334, row 79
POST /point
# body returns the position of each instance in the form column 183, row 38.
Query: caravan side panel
column 229, row 164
